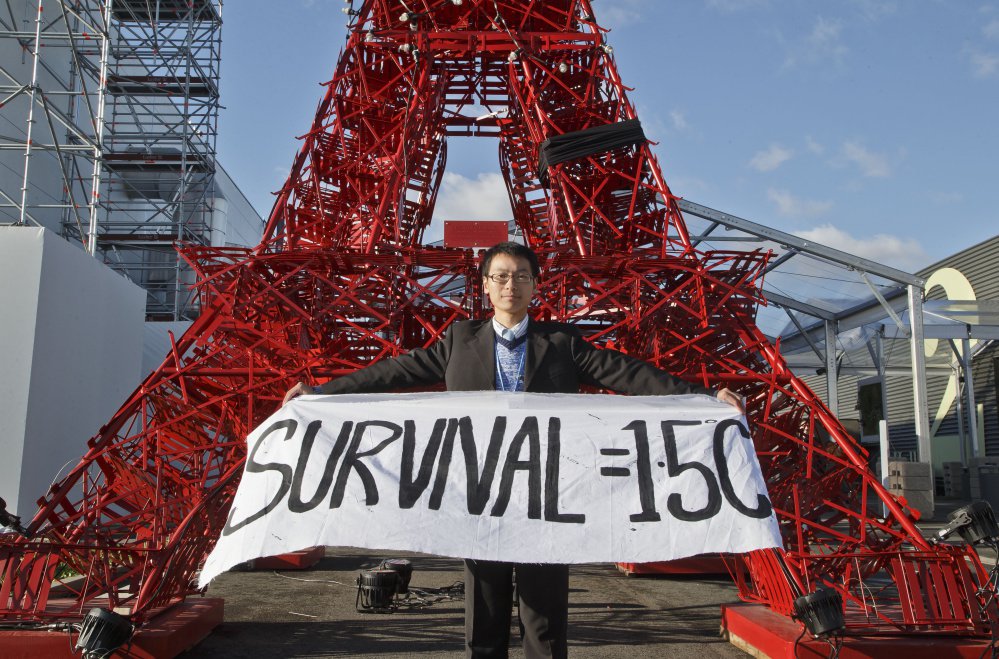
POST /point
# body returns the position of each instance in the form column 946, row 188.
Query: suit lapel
column 537, row 345
column 482, row 344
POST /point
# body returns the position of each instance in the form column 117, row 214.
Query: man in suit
column 512, row 352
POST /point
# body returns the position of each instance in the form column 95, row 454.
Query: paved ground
column 312, row 613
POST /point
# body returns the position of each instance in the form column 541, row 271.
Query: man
column 512, row 352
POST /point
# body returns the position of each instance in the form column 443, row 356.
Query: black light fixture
column 102, row 633
column 975, row 523
column 375, row 590
column 10, row 520
column 404, row 571
column 821, row 612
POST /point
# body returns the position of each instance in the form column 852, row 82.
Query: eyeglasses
column 504, row 277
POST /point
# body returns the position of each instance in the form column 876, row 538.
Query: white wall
column 234, row 220
column 71, row 339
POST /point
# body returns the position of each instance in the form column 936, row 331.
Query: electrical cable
column 285, row 576
column 794, row 648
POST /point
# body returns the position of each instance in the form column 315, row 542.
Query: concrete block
column 958, row 486
column 910, row 482
column 921, row 500
column 896, row 468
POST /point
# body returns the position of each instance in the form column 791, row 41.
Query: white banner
column 531, row 478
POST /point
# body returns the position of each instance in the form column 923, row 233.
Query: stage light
column 514, row 54
column 350, row 11
column 563, row 67
column 11, row 521
column 456, row 2
column 403, row 569
column 607, row 48
column 975, row 523
column 102, row 633
column 375, row 590
column 405, row 48
column 821, row 612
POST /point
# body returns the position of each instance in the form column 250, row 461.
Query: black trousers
column 543, row 594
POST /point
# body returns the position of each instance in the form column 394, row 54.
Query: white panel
column 20, row 269
column 157, row 346
column 85, row 349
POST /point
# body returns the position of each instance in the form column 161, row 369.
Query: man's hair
column 515, row 250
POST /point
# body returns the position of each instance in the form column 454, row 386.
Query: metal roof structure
column 820, row 296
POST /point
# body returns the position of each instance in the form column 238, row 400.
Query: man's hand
column 730, row 397
column 300, row 389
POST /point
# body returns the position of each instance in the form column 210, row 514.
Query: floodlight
column 102, row 633
column 975, row 523
column 375, row 590
column 404, row 569
column 821, row 612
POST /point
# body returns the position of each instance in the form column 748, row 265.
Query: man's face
column 511, row 298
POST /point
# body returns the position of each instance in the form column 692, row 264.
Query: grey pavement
column 311, row 613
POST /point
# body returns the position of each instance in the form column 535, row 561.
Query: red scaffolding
column 342, row 279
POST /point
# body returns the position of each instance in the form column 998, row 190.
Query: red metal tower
column 341, row 279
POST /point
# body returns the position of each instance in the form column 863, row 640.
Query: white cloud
column 814, row 146
column 874, row 10
column 825, row 32
column 461, row 198
column 481, row 198
column 871, row 164
column 984, row 65
column 991, row 30
column 944, row 197
column 685, row 185
column 903, row 253
column 679, row 121
column 652, row 122
column 790, row 206
column 618, row 14
column 822, row 45
column 771, row 158
column 736, row 5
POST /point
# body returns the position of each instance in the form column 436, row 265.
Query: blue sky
column 868, row 125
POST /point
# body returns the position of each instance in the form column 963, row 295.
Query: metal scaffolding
column 108, row 127
column 342, row 278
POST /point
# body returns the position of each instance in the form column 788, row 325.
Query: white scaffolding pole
column 102, row 88
column 918, row 355
column 832, row 375
column 32, row 97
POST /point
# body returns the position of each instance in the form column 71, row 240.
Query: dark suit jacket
column 558, row 361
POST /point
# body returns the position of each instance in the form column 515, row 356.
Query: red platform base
column 706, row 564
column 164, row 636
column 296, row 560
column 755, row 629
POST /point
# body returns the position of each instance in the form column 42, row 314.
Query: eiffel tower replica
column 341, row 278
